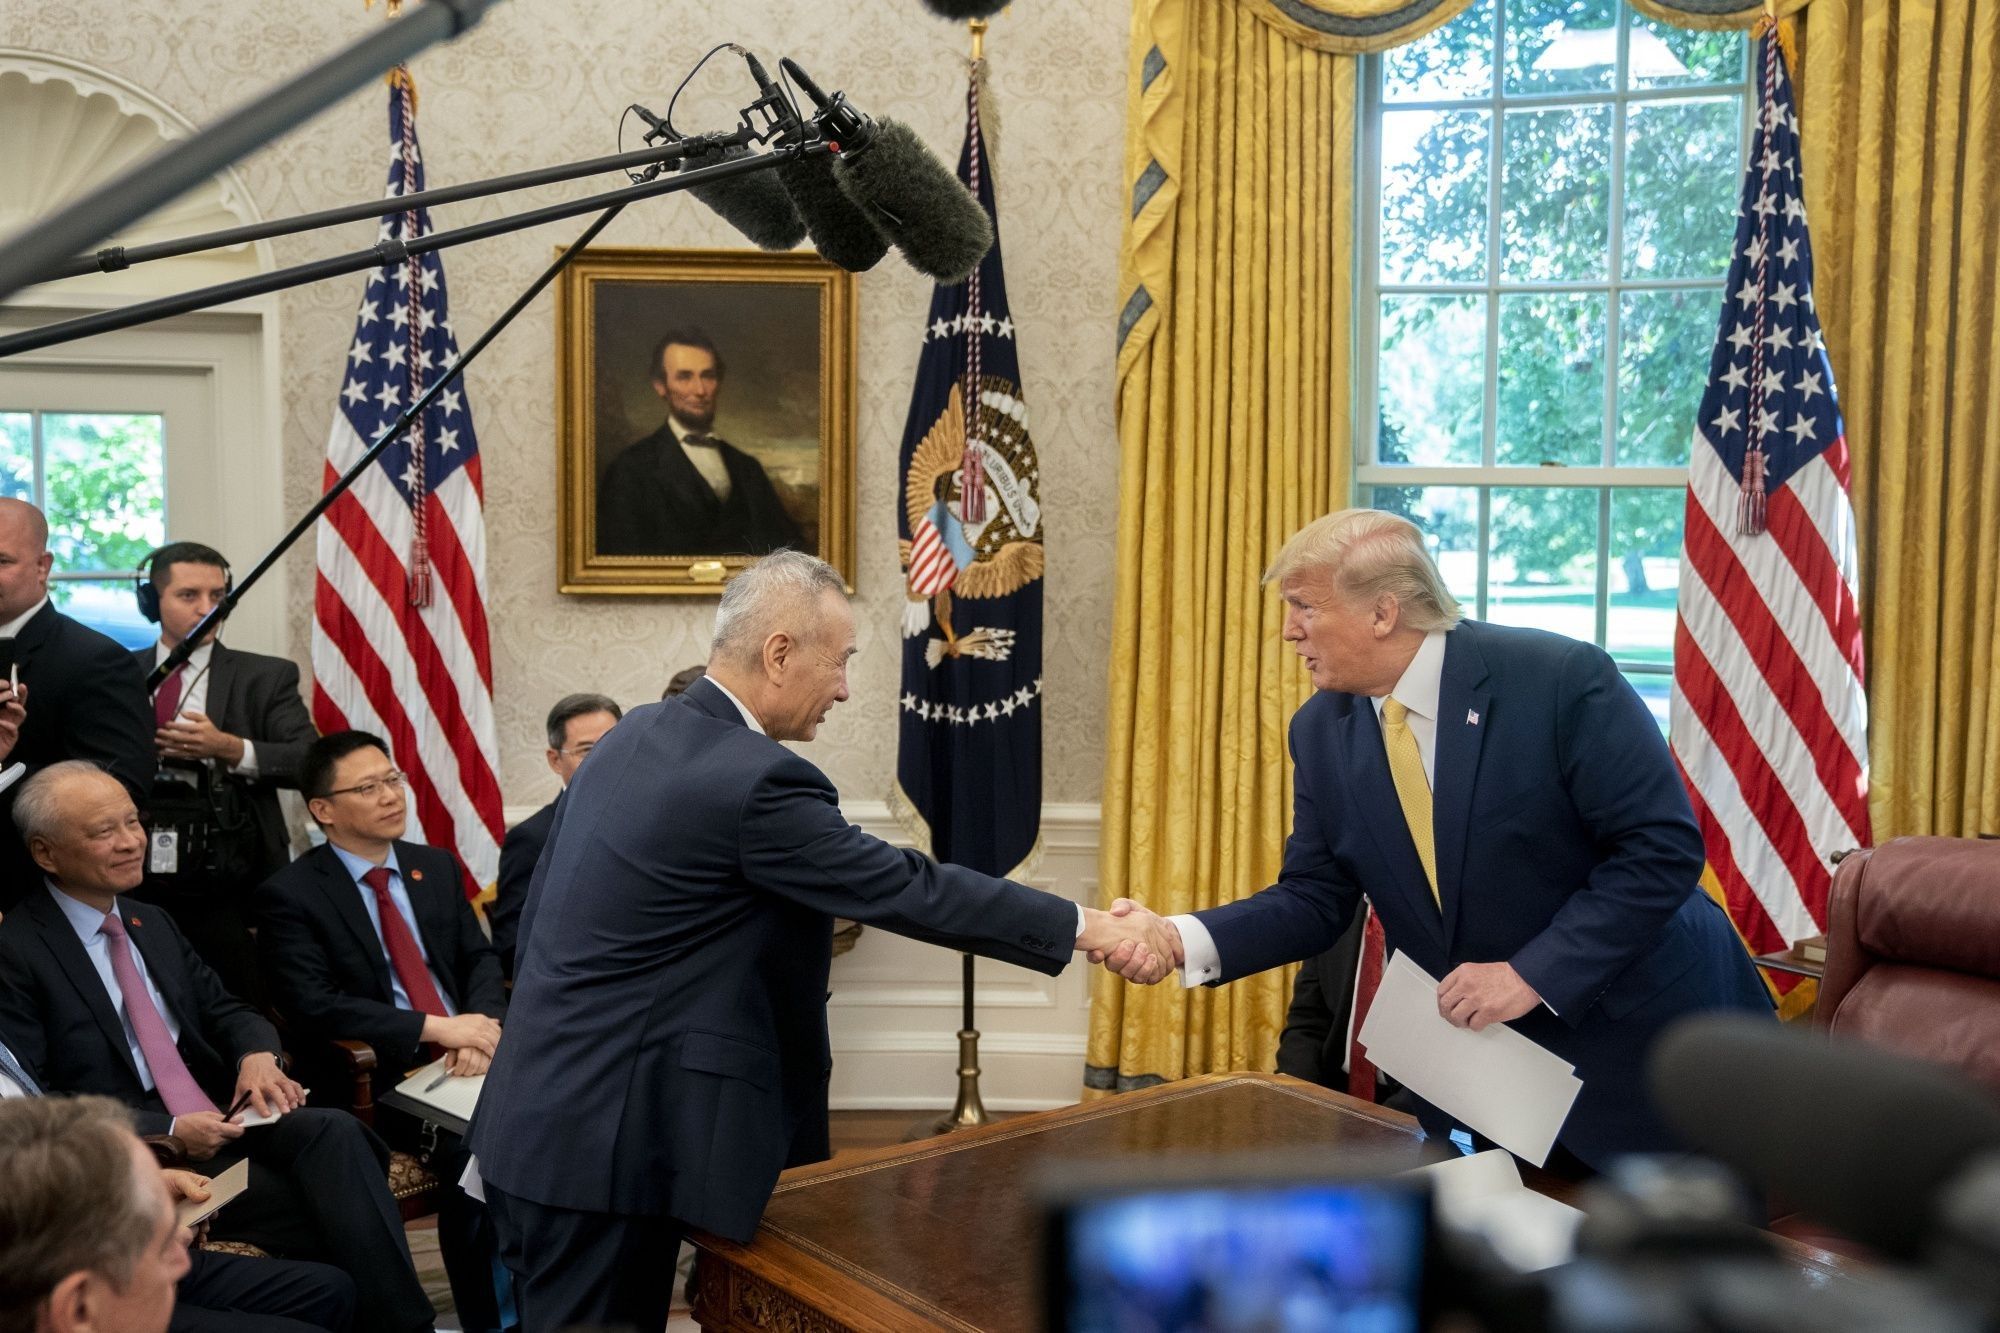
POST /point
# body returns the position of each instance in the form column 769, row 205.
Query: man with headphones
column 230, row 731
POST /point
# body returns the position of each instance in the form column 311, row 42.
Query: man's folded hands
column 1132, row 941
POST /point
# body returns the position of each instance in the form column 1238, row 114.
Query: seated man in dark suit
column 99, row 995
column 576, row 724
column 369, row 938
column 218, row 1293
column 231, row 731
column 80, row 697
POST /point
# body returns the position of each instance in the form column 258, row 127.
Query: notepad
column 1483, row 1194
column 221, row 1189
column 1497, row 1081
column 455, row 1097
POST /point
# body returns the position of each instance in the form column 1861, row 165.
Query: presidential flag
column 969, row 753
column 399, row 606
column 1769, row 722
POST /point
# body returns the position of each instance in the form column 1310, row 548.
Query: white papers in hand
column 454, row 1096
column 221, row 1189
column 1483, row 1194
column 1497, row 1081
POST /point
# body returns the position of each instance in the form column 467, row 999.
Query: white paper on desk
column 455, row 1096
column 1497, row 1081
column 1483, row 1194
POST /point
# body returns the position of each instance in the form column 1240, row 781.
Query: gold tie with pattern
column 1413, row 790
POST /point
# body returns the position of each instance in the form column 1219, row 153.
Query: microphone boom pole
column 185, row 648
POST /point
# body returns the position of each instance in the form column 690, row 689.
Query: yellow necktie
column 1413, row 790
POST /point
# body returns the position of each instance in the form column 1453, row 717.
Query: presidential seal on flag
column 975, row 516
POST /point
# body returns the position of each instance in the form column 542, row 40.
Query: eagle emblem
column 976, row 543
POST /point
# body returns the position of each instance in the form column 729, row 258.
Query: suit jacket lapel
column 165, row 970
column 1461, row 734
column 1377, row 807
column 82, row 973
column 344, row 897
column 222, row 683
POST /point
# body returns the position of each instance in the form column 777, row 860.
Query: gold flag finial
column 391, row 8
column 978, row 27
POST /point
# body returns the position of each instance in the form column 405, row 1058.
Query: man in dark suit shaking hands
column 230, row 732
column 369, row 938
column 666, row 1051
column 1508, row 804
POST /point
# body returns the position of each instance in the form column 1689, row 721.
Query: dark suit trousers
column 318, row 1191
column 599, row 1270
column 465, row 1235
column 225, row 1293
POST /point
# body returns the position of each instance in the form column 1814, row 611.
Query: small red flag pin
column 416, row 874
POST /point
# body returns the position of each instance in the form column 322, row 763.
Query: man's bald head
column 24, row 557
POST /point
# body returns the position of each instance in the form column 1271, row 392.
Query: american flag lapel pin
column 1471, row 718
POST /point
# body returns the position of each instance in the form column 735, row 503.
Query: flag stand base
column 970, row 1112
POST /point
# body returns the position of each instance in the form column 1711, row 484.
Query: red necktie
column 1361, row 1073
column 167, row 701
column 404, row 955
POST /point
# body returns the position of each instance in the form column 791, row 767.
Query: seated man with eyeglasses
column 575, row 725
column 370, row 938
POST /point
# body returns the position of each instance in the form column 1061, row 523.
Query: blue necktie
column 12, row 1069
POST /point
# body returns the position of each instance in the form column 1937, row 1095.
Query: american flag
column 399, row 605
column 1769, row 722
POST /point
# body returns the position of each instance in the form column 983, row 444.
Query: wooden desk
column 943, row 1234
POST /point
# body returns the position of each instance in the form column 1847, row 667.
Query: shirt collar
column 682, row 432
column 357, row 866
column 749, row 718
column 84, row 919
column 13, row 627
column 197, row 660
column 1417, row 688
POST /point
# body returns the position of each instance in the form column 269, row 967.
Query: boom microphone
column 752, row 202
column 840, row 231
column 899, row 186
column 1884, row 1135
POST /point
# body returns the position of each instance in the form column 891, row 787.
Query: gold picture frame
column 773, row 336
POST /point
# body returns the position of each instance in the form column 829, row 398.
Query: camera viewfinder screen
column 1329, row 1256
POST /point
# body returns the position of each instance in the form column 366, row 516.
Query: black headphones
column 147, row 592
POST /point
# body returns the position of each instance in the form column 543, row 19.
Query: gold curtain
column 1234, row 423
column 1900, row 127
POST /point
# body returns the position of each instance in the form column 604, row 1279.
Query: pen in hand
column 437, row 1082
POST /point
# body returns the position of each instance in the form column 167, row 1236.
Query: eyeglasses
column 372, row 788
column 578, row 750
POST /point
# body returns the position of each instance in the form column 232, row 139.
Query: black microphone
column 840, row 231
column 752, row 202
column 900, row 187
column 1874, row 1140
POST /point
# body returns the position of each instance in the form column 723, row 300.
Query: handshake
column 1138, row 944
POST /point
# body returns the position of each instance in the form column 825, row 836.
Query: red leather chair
column 1913, row 952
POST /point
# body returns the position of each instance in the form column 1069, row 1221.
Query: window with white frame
column 1552, row 189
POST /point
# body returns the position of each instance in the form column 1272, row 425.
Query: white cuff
column 1079, row 921
column 246, row 767
column 1201, row 963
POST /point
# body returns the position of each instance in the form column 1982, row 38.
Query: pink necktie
column 167, row 701
column 179, row 1093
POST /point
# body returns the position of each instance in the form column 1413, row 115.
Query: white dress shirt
column 1417, row 690
column 13, row 627
column 707, row 460
column 358, row 866
column 194, row 698
column 88, row 923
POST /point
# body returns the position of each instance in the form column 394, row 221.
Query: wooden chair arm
column 167, row 1149
column 357, row 1060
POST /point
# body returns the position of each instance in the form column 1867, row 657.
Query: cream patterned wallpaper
column 541, row 81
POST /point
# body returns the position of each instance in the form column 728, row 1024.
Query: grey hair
column 572, row 706
column 1371, row 554
column 35, row 812
column 780, row 591
column 75, row 1201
